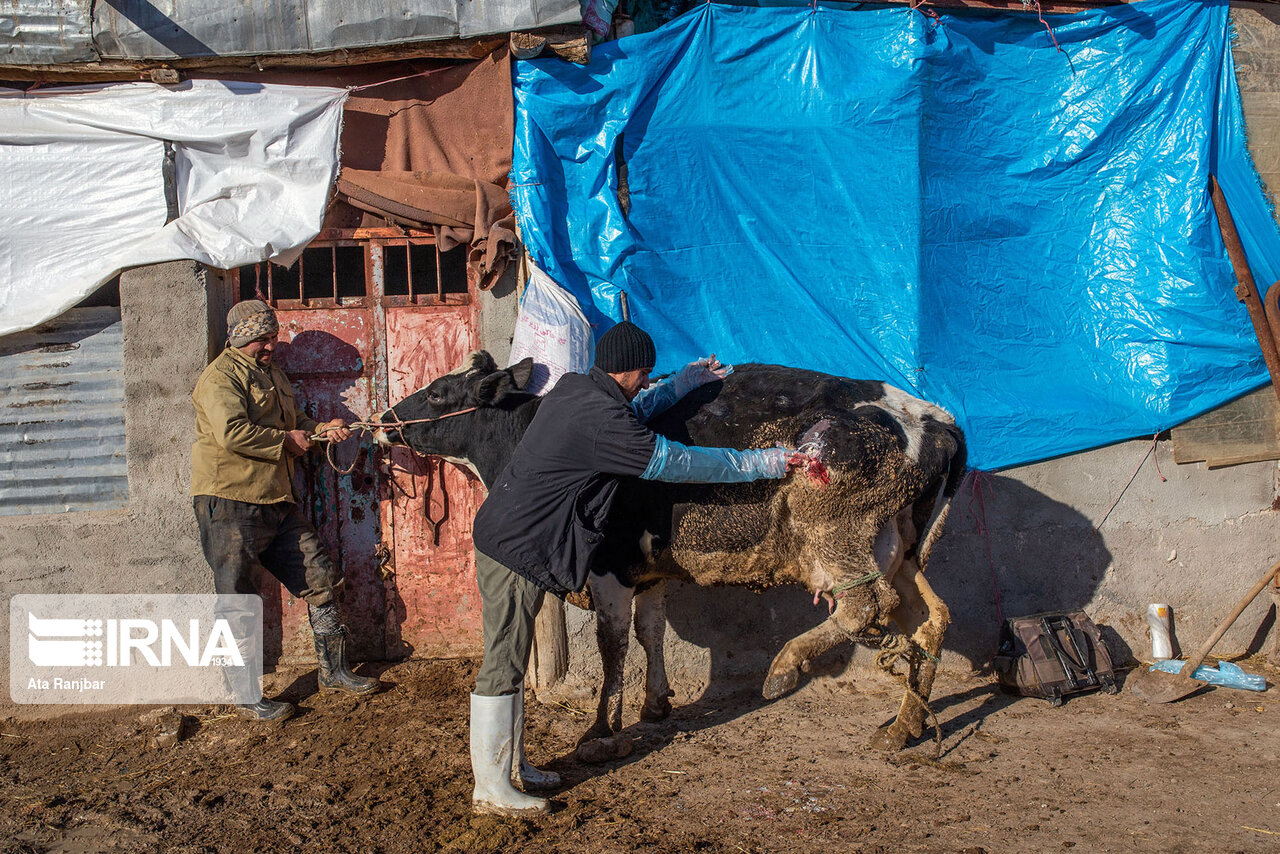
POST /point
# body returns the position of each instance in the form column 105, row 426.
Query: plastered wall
column 151, row 546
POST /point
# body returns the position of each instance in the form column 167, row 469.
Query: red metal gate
column 367, row 317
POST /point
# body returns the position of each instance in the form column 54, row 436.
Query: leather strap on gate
column 435, row 524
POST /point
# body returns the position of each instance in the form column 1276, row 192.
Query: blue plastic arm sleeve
column 662, row 395
column 677, row 463
column 657, row 398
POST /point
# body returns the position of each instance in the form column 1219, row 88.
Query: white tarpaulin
column 84, row 188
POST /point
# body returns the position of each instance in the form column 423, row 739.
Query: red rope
column 919, row 6
column 1048, row 29
column 980, row 481
column 398, row 79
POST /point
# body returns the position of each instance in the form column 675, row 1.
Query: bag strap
column 1074, row 665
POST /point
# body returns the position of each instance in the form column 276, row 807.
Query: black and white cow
column 858, row 534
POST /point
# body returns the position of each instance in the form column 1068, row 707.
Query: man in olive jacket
column 249, row 429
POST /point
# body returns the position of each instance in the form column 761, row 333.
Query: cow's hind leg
column 651, row 630
column 612, row 602
column 922, row 617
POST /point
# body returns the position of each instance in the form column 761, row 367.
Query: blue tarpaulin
column 1019, row 232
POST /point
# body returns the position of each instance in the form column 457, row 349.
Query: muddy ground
column 725, row 774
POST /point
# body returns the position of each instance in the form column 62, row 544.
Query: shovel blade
column 1156, row 686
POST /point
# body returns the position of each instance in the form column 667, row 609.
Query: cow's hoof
column 657, row 708
column 777, row 684
column 891, row 738
column 598, row 731
column 604, row 749
column 657, row 711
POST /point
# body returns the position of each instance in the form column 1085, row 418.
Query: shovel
column 1156, row 686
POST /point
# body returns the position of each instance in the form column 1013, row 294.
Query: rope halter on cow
column 374, row 427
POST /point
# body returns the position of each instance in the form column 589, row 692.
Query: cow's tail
column 956, row 470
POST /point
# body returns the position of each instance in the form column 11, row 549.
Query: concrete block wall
column 498, row 308
column 151, row 546
column 1257, row 57
column 1197, row 541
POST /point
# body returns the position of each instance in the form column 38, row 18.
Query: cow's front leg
column 613, row 629
column 855, row 612
column 923, row 617
column 859, row 604
column 796, row 656
column 651, row 629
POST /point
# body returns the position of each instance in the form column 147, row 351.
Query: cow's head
column 477, row 384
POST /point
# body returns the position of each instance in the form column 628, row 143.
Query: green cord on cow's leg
column 895, row 647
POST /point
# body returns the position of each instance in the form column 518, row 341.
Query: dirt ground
column 731, row 773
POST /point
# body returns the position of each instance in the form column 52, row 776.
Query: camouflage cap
column 250, row 320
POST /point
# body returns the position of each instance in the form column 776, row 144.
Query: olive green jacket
column 243, row 411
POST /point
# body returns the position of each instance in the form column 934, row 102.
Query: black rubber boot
column 334, row 675
column 266, row 710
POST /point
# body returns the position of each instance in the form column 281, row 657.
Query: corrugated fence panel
column 138, row 29
column 367, row 22
column 476, row 19
column 41, row 32
column 62, row 415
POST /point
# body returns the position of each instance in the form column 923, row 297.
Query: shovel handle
column 1198, row 659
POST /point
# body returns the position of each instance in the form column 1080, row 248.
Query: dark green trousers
column 509, row 606
column 237, row 537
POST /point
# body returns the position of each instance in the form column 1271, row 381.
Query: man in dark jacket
column 543, row 521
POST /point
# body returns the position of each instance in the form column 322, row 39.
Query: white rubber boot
column 533, row 779
column 491, row 747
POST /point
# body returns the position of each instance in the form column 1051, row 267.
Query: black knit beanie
column 625, row 347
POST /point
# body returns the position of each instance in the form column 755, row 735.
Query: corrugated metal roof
column 62, row 415
column 42, row 32
column 137, row 29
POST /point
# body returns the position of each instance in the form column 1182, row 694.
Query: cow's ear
column 493, row 388
column 521, row 372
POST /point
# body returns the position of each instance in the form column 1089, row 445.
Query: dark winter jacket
column 545, row 515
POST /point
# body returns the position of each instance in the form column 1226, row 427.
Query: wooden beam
column 458, row 50
column 549, row 657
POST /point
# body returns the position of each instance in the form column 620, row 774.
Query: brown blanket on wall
column 460, row 211
column 433, row 151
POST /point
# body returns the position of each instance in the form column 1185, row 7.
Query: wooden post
column 1274, row 656
column 550, row 654
column 1246, row 292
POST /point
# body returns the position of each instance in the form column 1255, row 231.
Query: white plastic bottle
column 1158, row 620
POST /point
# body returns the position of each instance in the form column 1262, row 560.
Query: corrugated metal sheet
column 62, row 415
column 42, row 32
column 138, row 29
